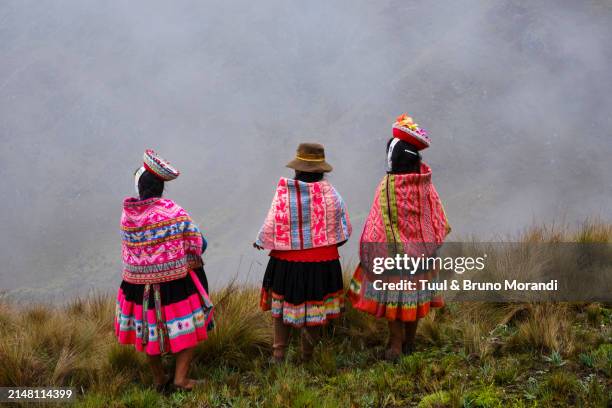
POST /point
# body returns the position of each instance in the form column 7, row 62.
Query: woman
column 162, row 304
column 406, row 218
column 307, row 221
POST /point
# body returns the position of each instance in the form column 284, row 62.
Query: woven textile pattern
column 406, row 217
column 160, row 242
column 303, row 216
column 406, row 209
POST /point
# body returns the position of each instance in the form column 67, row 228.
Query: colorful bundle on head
column 407, row 130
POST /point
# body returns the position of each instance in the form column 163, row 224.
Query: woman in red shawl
column 307, row 221
column 406, row 217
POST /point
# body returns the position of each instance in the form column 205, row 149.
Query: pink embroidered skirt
column 178, row 314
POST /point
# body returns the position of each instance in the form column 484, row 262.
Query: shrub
column 548, row 327
column 603, row 359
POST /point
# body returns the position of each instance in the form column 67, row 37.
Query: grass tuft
column 439, row 399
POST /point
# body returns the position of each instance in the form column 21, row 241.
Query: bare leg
column 396, row 337
column 281, row 336
column 310, row 337
column 410, row 334
column 159, row 376
column 183, row 362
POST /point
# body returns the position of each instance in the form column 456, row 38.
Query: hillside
column 468, row 355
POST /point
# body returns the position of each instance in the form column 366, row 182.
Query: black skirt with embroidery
column 303, row 293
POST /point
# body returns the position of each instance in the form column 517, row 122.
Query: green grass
column 468, row 355
column 61, row 350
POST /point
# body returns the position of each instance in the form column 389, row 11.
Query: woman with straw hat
column 306, row 223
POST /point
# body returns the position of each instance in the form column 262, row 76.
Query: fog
column 516, row 96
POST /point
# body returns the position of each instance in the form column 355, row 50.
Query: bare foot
column 392, row 355
column 188, row 384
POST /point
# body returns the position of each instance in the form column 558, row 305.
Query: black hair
column 149, row 186
column 405, row 158
column 308, row 177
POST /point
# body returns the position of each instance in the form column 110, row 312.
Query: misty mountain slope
column 515, row 95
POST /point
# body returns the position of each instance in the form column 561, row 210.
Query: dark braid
column 150, row 186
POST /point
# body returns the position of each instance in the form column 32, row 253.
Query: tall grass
column 240, row 328
column 468, row 353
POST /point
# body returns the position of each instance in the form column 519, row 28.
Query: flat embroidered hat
column 310, row 157
column 405, row 129
column 158, row 166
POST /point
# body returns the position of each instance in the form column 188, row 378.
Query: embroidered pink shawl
column 406, row 212
column 303, row 216
column 160, row 242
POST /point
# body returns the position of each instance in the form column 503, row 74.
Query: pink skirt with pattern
column 179, row 315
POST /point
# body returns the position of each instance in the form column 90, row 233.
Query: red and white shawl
column 303, row 216
column 408, row 214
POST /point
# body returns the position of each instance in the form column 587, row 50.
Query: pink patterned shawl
column 408, row 214
column 303, row 216
column 160, row 242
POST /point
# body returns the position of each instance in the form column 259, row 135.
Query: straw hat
column 310, row 157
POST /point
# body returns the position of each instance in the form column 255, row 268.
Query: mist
column 516, row 96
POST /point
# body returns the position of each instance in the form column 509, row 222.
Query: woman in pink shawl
column 406, row 218
column 162, row 303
